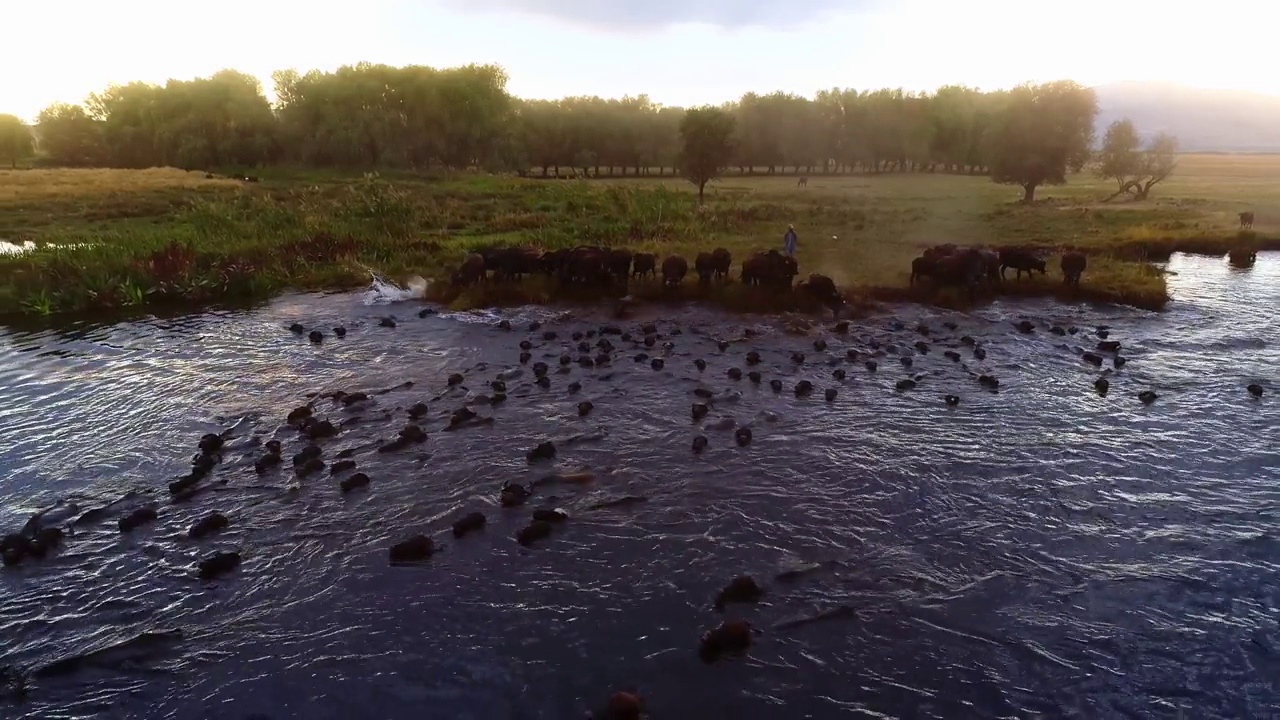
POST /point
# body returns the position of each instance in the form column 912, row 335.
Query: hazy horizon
column 678, row 52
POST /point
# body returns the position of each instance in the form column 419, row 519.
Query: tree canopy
column 1043, row 132
column 1134, row 168
column 16, row 142
column 415, row 117
column 706, row 135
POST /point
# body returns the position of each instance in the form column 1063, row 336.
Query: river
column 1040, row 551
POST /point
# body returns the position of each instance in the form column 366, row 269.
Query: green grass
column 143, row 239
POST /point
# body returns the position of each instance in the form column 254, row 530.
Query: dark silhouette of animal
column 644, row 264
column 721, row 261
column 938, row 251
column 586, row 265
column 510, row 263
column 824, row 290
column 769, row 269
column 674, row 269
column 471, row 271
column 702, row 265
column 1246, row 219
column 1021, row 261
column 964, row 269
column 802, row 182
column 991, row 265
column 619, row 263
column 1073, row 265
column 1242, row 257
column 922, row 267
column 552, row 262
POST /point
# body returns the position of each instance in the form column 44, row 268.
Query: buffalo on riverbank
column 594, row 272
column 769, row 269
column 471, row 271
column 1021, row 260
column 1073, row 265
column 674, row 268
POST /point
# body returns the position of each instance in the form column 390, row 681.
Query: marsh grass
column 143, row 238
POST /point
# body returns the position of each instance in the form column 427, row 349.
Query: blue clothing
column 789, row 242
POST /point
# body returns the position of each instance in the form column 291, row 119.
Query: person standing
column 789, row 241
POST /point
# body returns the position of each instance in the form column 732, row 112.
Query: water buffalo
column 1021, row 261
column 644, row 264
column 940, row 251
column 721, row 260
column 619, row 263
column 673, row 270
column 1242, row 257
column 991, row 265
column 586, row 265
column 471, row 270
column 552, row 262
column 772, row 269
column 922, row 267
column 702, row 264
column 1073, row 264
column 510, row 263
column 1246, row 219
column 964, row 269
column 824, row 289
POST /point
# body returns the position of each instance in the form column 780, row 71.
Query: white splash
column 384, row 292
column 9, row 248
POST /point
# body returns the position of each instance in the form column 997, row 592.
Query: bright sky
column 678, row 51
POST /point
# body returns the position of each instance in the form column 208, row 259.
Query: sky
column 679, row 52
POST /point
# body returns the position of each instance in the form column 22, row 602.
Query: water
column 1037, row 552
column 10, row 248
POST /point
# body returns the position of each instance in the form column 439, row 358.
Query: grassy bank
column 121, row 238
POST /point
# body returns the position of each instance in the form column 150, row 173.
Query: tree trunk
column 702, row 186
column 1029, row 193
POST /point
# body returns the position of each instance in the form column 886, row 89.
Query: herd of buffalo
column 592, row 266
column 968, row 267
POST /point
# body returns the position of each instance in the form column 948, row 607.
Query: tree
column 707, row 135
column 68, row 136
column 1118, row 158
column 1134, row 169
column 380, row 116
column 1043, row 132
column 1159, row 162
column 15, row 139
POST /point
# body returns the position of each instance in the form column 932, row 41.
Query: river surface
column 1040, row 551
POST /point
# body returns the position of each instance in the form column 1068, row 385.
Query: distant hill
column 1203, row 120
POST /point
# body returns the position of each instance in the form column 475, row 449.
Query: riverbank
column 147, row 238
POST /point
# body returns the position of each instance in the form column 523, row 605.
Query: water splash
column 384, row 292
column 12, row 248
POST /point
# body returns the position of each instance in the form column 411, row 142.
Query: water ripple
column 1037, row 551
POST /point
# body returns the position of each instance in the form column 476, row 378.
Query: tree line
column 369, row 116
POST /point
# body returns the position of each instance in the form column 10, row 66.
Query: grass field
column 126, row 238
